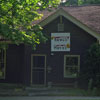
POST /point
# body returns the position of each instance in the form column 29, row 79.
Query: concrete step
column 44, row 89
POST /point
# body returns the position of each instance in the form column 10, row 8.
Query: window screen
column 71, row 66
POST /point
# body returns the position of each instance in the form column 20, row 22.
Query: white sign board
column 60, row 41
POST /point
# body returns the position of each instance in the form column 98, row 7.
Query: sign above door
column 60, row 41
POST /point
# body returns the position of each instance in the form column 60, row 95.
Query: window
column 71, row 65
column 60, row 27
column 2, row 63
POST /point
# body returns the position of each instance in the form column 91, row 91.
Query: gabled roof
column 86, row 17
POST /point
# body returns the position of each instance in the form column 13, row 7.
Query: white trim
column 4, row 62
column 61, row 12
column 78, row 66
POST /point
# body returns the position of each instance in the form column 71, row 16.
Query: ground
column 49, row 98
column 19, row 92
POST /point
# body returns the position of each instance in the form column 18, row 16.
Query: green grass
column 79, row 99
column 73, row 92
column 10, row 86
column 53, row 91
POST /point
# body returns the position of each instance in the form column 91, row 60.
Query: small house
column 70, row 32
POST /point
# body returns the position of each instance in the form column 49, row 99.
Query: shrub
column 92, row 65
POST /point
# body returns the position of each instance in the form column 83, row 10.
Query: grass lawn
column 79, row 99
column 45, row 91
column 82, row 98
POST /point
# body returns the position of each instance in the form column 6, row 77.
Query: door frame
column 32, row 68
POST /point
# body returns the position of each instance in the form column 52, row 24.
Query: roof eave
column 72, row 19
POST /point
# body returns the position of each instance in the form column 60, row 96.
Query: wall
column 14, row 64
column 18, row 69
column 80, row 42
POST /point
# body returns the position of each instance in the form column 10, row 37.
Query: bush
column 92, row 65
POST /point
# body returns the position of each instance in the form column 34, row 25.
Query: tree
column 71, row 2
column 92, row 65
column 91, row 1
column 16, row 17
column 80, row 2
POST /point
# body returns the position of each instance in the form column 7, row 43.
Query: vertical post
column 60, row 19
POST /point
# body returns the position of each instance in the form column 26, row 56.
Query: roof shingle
column 88, row 15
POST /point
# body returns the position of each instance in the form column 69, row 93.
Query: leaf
column 16, row 17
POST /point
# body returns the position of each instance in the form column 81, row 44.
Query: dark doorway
column 38, row 69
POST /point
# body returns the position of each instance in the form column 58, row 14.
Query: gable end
column 61, row 12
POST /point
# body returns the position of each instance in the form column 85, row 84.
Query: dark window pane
column 71, row 60
column 38, row 61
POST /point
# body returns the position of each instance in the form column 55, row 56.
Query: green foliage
column 81, row 2
column 91, row 2
column 4, row 46
column 93, row 91
column 16, row 17
column 71, row 2
column 92, row 65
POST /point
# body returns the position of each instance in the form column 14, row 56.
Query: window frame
column 78, row 66
column 4, row 61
